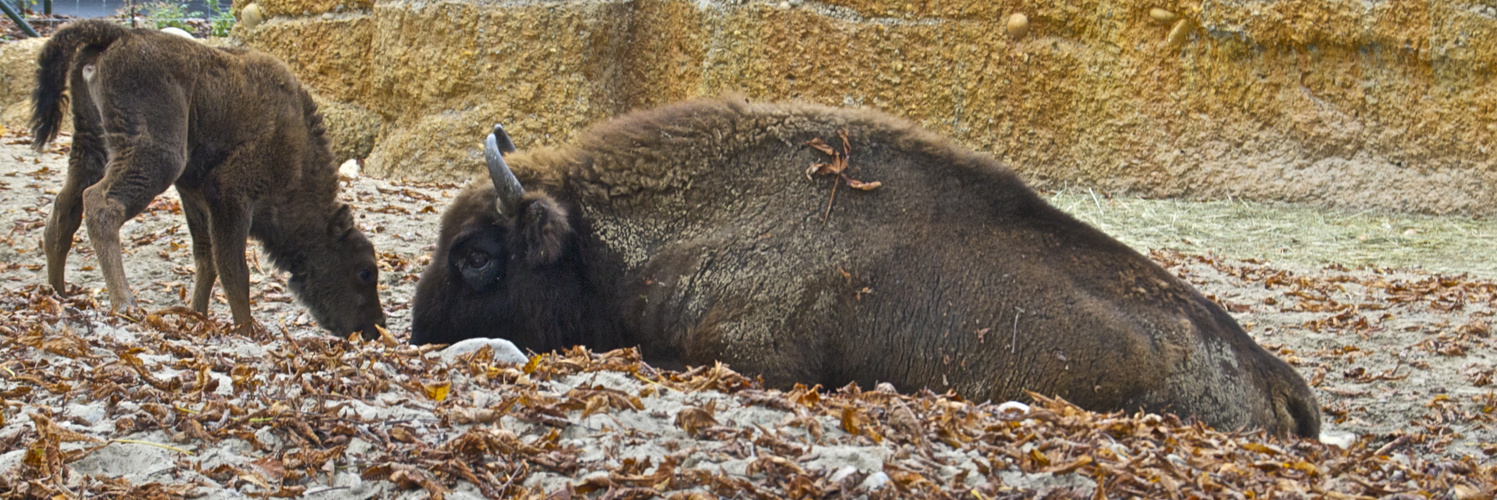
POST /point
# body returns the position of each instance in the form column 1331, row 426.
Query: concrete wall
column 1337, row 102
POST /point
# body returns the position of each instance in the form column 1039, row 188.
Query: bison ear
column 541, row 230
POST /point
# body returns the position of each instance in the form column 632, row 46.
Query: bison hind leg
column 541, row 230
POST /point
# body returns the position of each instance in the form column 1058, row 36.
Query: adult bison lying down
column 238, row 136
column 694, row 232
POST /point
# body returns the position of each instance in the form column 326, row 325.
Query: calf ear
column 541, row 230
column 341, row 222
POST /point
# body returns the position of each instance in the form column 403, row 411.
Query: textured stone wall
column 1338, row 102
column 17, row 80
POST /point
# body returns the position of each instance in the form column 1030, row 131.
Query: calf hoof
column 129, row 311
column 59, row 286
column 252, row 329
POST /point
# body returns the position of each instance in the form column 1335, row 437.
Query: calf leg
column 85, row 167
column 195, row 206
column 146, row 121
column 131, row 182
column 230, row 230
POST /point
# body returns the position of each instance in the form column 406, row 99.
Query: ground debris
column 176, row 404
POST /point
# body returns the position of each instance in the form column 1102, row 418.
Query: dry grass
column 1291, row 234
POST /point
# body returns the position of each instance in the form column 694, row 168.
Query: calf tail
column 52, row 73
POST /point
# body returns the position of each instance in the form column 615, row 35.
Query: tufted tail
column 52, row 73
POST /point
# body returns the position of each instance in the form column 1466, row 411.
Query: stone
column 1334, row 103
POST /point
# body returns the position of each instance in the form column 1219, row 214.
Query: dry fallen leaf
column 437, row 391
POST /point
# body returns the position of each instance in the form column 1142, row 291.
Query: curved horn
column 507, row 188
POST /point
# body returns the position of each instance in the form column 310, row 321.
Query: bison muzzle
column 242, row 142
column 693, row 232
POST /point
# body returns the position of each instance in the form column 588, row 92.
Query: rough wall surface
column 17, row 80
column 1351, row 103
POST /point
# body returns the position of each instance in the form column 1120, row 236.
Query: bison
column 693, row 232
column 240, row 139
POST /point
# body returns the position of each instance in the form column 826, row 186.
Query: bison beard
column 692, row 232
column 242, row 142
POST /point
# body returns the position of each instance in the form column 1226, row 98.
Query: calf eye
column 366, row 276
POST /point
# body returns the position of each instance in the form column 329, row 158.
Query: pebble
column 1018, row 25
column 252, row 15
column 874, row 482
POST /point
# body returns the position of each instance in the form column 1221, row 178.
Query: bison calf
column 694, row 232
column 241, row 140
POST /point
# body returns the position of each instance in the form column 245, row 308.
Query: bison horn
column 507, row 189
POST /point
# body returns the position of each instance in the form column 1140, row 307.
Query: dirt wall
column 1385, row 104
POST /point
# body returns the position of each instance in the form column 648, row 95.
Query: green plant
column 221, row 22
column 164, row 14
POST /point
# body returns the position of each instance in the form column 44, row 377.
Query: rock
column 17, row 79
column 1239, row 112
column 1012, row 410
column 1338, row 439
column 349, row 170
column 504, row 350
column 178, row 31
column 251, row 16
column 350, row 129
column 1017, row 25
column 1179, row 33
column 312, row 7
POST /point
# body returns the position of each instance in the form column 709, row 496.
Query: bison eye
column 366, row 276
column 480, row 270
column 476, row 260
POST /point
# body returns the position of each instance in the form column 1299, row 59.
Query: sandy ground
column 1400, row 359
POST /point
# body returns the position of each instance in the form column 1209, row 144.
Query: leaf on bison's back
column 863, row 186
column 822, row 146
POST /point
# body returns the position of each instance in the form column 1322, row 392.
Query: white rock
column 874, row 482
column 1338, row 439
column 114, row 333
column 177, row 31
column 1012, row 410
column 349, row 170
column 252, row 15
column 842, row 473
column 91, row 413
column 504, row 350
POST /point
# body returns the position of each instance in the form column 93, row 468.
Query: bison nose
column 371, row 332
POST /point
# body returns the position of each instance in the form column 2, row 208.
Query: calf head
column 506, row 266
column 340, row 282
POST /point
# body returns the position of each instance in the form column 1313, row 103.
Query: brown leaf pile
column 302, row 413
column 175, row 404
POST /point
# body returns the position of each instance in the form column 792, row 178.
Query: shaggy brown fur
column 240, row 139
column 692, row 231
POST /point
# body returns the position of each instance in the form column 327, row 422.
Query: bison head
column 506, row 265
column 340, row 283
